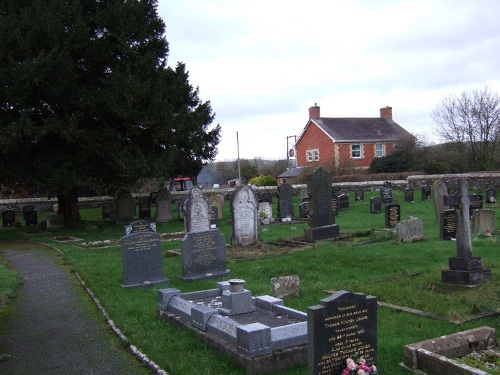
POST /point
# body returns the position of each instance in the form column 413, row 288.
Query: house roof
column 292, row 172
column 356, row 129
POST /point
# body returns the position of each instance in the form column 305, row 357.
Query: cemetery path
column 54, row 328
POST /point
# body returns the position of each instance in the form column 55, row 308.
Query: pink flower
column 362, row 361
column 374, row 368
column 361, row 372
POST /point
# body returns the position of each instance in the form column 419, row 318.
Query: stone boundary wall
column 476, row 181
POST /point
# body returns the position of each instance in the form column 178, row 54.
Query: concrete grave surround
column 244, row 212
column 163, row 206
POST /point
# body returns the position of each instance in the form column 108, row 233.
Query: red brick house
column 336, row 141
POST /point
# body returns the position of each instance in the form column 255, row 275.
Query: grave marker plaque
column 375, row 205
column 392, row 215
column 386, row 195
column 8, row 218
column 448, row 227
column 342, row 326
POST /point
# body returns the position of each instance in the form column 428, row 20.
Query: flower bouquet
column 360, row 368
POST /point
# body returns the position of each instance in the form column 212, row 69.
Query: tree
column 471, row 118
column 86, row 97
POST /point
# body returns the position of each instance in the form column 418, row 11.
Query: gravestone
column 343, row 202
column 375, row 205
column 285, row 203
column 409, row 194
column 476, row 202
column 322, row 222
column 392, row 215
column 140, row 226
column 142, row 260
column 27, row 208
column 386, row 195
column 426, row 192
column 448, row 227
column 387, row 184
column 335, row 203
column 304, row 208
column 214, row 217
column 285, row 286
column 30, row 215
column 410, row 230
column 266, row 197
column 124, row 207
column 163, row 200
column 197, row 217
column 359, row 195
column 483, row 222
column 342, row 326
column 244, row 213
column 440, row 191
column 303, row 194
column 464, row 269
column 265, row 211
column 491, row 195
column 107, row 210
column 203, row 255
column 144, row 210
column 216, row 201
column 8, row 218
column 54, row 222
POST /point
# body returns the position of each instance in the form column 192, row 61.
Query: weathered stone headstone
column 107, row 210
column 483, row 222
column 244, row 212
column 163, row 200
column 386, row 195
column 410, row 230
column 203, row 255
column 491, row 195
column 426, row 192
column 140, row 226
column 375, row 205
column 342, row 326
column 8, row 218
column 343, row 201
column 409, row 194
column 359, row 195
column 144, row 210
column 197, row 217
column 142, row 260
column 392, row 215
column 464, row 269
column 322, row 222
column 448, row 226
column 440, row 191
column 285, row 204
column 285, row 286
column 124, row 207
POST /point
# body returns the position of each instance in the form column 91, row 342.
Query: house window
column 312, row 155
column 356, row 151
column 379, row 150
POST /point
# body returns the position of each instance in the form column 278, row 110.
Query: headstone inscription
column 8, row 218
column 203, row 255
column 359, row 195
column 140, row 226
column 386, row 195
column 491, row 195
column 464, row 269
column 142, row 259
column 342, row 326
column 124, row 207
column 448, row 227
column 322, row 222
column 343, row 201
column 409, row 194
column 244, row 213
column 285, row 205
column 375, row 205
column 426, row 192
column 197, row 217
column 144, row 210
column 163, row 200
column 483, row 222
column 392, row 215
column 30, row 215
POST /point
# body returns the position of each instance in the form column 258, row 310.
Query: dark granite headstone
column 142, row 260
column 387, row 184
column 144, row 210
column 392, row 215
column 244, row 212
column 124, row 207
column 426, row 192
column 8, row 218
column 27, row 208
column 342, row 326
column 491, row 195
column 140, row 226
column 107, row 210
column 359, row 195
column 476, row 201
column 203, row 255
column 285, row 204
column 386, row 195
column 409, row 194
column 163, row 200
column 448, row 227
column 304, row 208
column 375, row 205
column 31, row 218
column 214, row 217
column 343, row 202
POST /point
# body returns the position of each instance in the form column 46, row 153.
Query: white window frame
column 312, row 155
column 357, row 151
column 379, row 153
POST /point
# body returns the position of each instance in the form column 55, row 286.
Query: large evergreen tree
column 86, row 96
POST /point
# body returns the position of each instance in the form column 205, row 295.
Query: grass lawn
column 368, row 261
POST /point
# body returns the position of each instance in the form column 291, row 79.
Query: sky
column 262, row 64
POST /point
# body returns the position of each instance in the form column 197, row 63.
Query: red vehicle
column 181, row 184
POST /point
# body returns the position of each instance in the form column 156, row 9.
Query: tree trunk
column 68, row 207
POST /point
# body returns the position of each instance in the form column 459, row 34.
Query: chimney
column 314, row 112
column 386, row 113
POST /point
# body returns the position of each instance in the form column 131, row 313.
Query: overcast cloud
column 262, row 64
